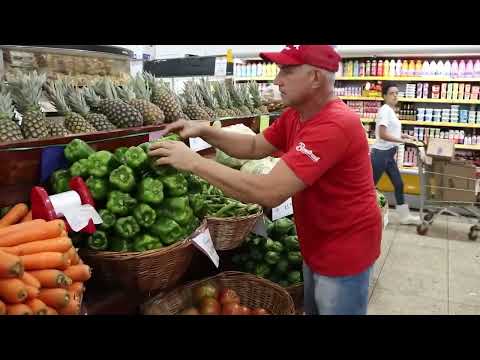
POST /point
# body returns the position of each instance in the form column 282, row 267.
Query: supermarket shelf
column 261, row 78
column 432, row 101
column 457, row 146
column 407, row 78
column 431, row 123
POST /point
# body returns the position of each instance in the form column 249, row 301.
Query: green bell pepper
column 274, row 277
column 195, row 184
column 145, row 147
column 294, row 277
column 122, row 178
column 284, row 283
column 120, row 155
column 262, row 270
column 295, row 257
column 282, row 266
column 197, row 203
column 160, row 170
column 269, row 224
column 283, row 226
column 144, row 215
column 167, row 230
column 77, row 149
column 291, row 243
column 175, row 185
column 108, row 219
column 178, row 209
column 98, row 187
column 102, row 163
column 191, row 226
column 244, row 258
column 250, row 266
column 98, row 241
column 127, row 227
column 146, row 242
column 272, row 257
column 119, row 244
column 80, row 168
column 150, row 191
column 236, row 259
column 120, row 203
column 293, row 232
column 135, row 157
column 59, row 181
column 256, row 255
column 274, row 246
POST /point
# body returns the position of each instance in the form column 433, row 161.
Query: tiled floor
column 434, row 274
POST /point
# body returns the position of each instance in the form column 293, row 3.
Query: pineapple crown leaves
column 234, row 93
column 255, row 93
column 207, row 94
column 244, row 92
column 55, row 91
column 219, row 95
column 189, row 93
column 198, row 94
column 226, row 95
column 91, row 97
column 77, row 102
column 105, row 88
column 126, row 92
column 26, row 90
column 141, row 87
column 6, row 104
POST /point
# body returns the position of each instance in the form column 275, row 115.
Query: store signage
column 204, row 243
column 197, row 144
column 220, row 66
column 283, row 210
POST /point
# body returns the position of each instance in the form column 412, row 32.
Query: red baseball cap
column 321, row 56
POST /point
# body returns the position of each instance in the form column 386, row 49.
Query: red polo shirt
column 337, row 216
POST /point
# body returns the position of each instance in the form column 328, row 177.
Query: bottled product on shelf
column 256, row 69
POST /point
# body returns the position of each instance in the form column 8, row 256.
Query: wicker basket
column 254, row 292
column 143, row 271
column 296, row 292
column 229, row 233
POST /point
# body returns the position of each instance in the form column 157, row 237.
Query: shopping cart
column 431, row 202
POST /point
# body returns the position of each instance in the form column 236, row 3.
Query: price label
column 264, row 122
column 283, row 210
column 260, row 227
column 220, row 66
column 204, row 243
column 155, row 135
column 197, row 144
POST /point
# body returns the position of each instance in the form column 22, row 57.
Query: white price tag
column 155, row 135
column 220, row 66
column 260, row 227
column 204, row 243
column 283, row 210
column 197, row 144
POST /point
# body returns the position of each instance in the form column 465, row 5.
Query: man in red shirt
column 325, row 168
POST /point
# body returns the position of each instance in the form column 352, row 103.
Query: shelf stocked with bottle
column 255, row 70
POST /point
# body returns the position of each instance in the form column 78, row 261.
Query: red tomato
column 210, row 306
column 260, row 311
column 228, row 296
column 206, row 290
column 245, row 310
column 231, row 309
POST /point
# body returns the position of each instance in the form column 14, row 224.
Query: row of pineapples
column 104, row 106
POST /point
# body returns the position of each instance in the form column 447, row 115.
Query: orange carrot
column 19, row 227
column 38, row 307
column 51, row 311
column 73, row 306
column 45, row 260
column 27, row 217
column 56, row 298
column 3, row 308
column 51, row 278
column 77, row 288
column 32, row 231
column 14, row 215
column 28, row 279
column 13, row 290
column 72, row 255
column 80, row 272
column 32, row 292
column 10, row 265
column 60, row 244
column 19, row 309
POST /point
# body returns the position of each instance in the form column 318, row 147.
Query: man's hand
column 185, row 128
column 174, row 153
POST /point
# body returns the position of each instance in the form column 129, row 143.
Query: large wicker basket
column 143, row 271
column 296, row 292
column 229, row 233
column 254, row 292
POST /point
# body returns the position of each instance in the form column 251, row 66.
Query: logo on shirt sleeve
column 302, row 149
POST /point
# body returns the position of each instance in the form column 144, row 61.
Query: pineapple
column 9, row 129
column 210, row 101
column 76, row 99
column 229, row 101
column 200, row 102
column 220, row 95
column 193, row 110
column 237, row 100
column 245, row 94
column 137, row 94
column 26, row 90
column 120, row 113
column 75, row 123
column 57, row 127
column 164, row 98
column 256, row 98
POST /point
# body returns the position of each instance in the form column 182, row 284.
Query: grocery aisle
column 427, row 275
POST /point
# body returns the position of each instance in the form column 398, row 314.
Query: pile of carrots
column 40, row 270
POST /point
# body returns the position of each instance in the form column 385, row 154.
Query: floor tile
column 463, row 309
column 464, row 289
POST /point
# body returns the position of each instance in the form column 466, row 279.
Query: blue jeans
column 384, row 161
column 337, row 295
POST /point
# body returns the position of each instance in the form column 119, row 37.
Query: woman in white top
column 388, row 133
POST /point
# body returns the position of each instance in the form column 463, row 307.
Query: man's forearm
column 240, row 146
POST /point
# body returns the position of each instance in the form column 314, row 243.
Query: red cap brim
column 280, row 58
